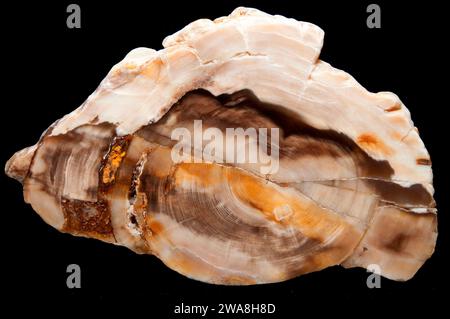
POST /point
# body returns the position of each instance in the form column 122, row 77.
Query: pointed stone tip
column 17, row 166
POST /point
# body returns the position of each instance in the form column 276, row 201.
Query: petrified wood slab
column 352, row 184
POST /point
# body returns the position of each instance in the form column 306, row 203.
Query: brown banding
column 138, row 188
column 243, row 109
column 352, row 184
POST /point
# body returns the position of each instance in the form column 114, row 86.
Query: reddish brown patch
column 87, row 218
column 155, row 227
column 395, row 107
column 423, row 161
column 369, row 142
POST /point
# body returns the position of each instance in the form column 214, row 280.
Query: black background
column 48, row 70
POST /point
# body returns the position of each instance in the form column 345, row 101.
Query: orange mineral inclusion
column 113, row 162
